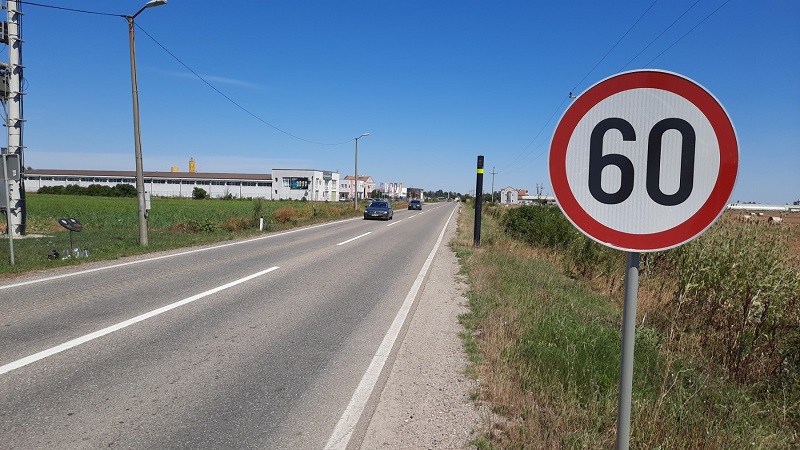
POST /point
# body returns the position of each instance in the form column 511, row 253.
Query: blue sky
column 435, row 83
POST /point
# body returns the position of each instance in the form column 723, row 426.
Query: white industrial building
column 295, row 184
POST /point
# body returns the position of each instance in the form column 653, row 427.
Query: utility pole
column 12, row 98
column 493, row 174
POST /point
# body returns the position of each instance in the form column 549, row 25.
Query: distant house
column 347, row 187
column 509, row 196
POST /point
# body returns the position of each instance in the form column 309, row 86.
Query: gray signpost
column 11, row 173
column 642, row 161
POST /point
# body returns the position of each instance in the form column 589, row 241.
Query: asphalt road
column 250, row 344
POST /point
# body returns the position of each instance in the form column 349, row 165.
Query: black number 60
column 598, row 161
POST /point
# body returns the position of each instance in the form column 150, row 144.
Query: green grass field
column 110, row 225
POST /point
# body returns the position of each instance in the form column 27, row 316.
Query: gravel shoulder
column 425, row 402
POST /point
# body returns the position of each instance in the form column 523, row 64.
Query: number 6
column 598, row 161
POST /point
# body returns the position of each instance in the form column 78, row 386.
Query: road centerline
column 116, row 327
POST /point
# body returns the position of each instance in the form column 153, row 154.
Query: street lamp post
column 355, row 180
column 136, row 135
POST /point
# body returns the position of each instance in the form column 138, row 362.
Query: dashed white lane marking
column 91, row 336
column 344, row 428
column 353, row 239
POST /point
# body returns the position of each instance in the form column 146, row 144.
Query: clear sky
column 289, row 84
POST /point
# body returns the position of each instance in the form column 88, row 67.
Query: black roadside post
column 478, row 201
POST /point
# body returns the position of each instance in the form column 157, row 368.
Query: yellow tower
column 191, row 165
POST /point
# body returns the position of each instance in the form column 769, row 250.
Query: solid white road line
column 353, row 239
column 86, row 338
column 344, row 428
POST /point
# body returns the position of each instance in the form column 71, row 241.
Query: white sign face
column 644, row 161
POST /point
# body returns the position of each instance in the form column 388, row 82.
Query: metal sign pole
column 628, row 341
column 6, row 191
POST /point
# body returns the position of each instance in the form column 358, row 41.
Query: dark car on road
column 379, row 210
column 415, row 204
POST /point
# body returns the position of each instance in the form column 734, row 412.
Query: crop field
column 110, row 226
column 789, row 221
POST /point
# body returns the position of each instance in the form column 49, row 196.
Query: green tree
column 199, row 193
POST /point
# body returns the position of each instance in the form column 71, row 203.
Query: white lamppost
column 355, row 187
column 136, row 135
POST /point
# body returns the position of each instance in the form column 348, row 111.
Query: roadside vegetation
column 717, row 356
column 110, row 225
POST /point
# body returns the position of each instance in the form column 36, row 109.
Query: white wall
column 318, row 185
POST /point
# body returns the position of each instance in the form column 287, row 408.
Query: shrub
column 193, row 226
column 539, row 226
column 285, row 214
column 199, row 193
column 237, row 224
column 125, row 190
column 93, row 190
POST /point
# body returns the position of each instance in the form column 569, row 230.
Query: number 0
column 598, row 161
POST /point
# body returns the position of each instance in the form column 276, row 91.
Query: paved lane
column 268, row 362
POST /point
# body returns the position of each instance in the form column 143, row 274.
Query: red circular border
column 692, row 227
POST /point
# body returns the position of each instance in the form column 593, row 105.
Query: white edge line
column 86, row 338
column 347, row 423
column 155, row 258
column 353, row 239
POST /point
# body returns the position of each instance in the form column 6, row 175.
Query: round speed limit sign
column 644, row 161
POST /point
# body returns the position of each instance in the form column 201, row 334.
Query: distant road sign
column 644, row 161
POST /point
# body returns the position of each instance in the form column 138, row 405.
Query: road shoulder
column 426, row 402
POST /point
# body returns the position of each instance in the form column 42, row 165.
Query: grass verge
column 110, row 226
column 546, row 349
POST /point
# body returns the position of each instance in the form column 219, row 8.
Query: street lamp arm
column 149, row 4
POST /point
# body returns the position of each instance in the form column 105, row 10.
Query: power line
column 230, row 99
column 615, row 45
column 521, row 155
column 519, row 166
column 660, row 34
column 687, row 33
column 248, row 112
column 72, row 9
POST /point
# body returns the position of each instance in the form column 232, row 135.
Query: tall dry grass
column 545, row 342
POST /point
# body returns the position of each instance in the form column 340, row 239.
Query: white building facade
column 365, row 187
column 158, row 184
column 282, row 184
column 312, row 185
column 509, row 196
column 392, row 190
